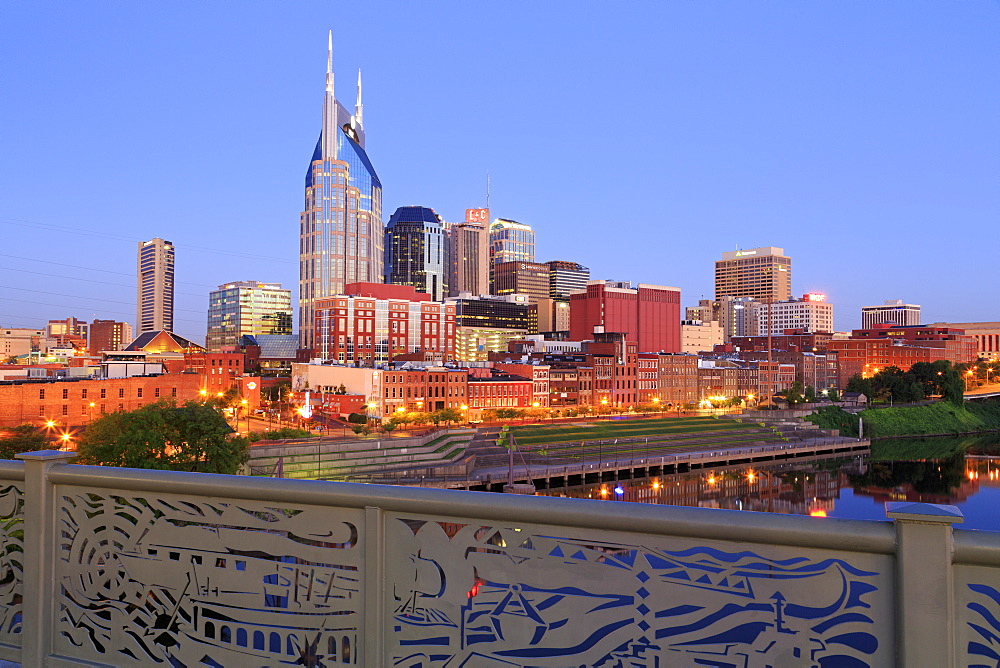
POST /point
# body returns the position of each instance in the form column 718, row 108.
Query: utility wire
column 91, row 280
column 117, row 237
column 106, row 271
column 77, row 308
column 111, row 301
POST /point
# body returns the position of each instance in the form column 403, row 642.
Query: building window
column 104, row 393
column 41, row 411
column 83, row 393
column 65, row 409
column 121, row 393
column 65, row 393
column 173, row 391
column 156, row 392
column 138, row 393
column 41, row 393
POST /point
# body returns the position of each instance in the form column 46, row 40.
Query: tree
column 810, row 394
column 446, row 415
column 389, row 426
column 833, row 395
column 162, row 435
column 793, row 395
column 277, row 391
column 357, row 418
column 858, row 384
column 23, row 438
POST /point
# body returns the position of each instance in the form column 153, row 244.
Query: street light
column 65, row 437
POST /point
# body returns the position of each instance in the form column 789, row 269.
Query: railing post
column 39, row 564
column 374, row 592
column 925, row 583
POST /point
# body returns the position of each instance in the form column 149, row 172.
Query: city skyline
column 857, row 154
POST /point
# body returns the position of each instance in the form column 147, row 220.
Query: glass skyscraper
column 510, row 241
column 341, row 232
column 416, row 251
column 247, row 307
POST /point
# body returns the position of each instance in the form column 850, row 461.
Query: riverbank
column 941, row 418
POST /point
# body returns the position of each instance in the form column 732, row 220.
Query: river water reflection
column 961, row 471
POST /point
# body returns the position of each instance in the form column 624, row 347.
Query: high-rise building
column 415, row 251
column 155, row 289
column 524, row 278
column 812, row 313
column 510, row 241
column 108, row 335
column 893, row 312
column 566, row 278
column 648, row 314
column 247, row 308
column 341, row 233
column 759, row 273
column 469, row 256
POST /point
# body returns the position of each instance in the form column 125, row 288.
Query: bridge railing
column 107, row 566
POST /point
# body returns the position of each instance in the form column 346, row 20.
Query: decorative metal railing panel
column 158, row 578
column 11, row 567
column 462, row 592
column 977, row 595
column 125, row 567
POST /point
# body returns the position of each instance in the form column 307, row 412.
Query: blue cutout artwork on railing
column 986, row 627
column 535, row 600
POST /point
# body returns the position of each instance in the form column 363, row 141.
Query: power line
column 106, row 271
column 76, row 307
column 90, row 280
column 111, row 301
column 117, row 237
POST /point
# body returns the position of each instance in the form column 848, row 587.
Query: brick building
column 648, row 314
column 77, row 401
column 869, row 350
column 374, row 322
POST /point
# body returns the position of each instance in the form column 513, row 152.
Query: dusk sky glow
column 639, row 139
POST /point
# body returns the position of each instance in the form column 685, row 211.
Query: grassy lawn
column 610, row 429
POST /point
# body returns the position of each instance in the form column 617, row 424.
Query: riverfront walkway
column 547, row 476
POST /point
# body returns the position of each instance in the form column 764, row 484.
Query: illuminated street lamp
column 65, row 439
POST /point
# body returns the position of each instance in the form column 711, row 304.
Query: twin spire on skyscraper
column 330, row 120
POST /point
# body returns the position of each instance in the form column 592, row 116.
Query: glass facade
column 510, row 241
column 340, row 229
column 415, row 251
column 247, row 308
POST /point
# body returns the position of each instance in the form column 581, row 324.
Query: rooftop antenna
column 487, row 190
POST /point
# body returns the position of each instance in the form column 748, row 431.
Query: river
column 962, row 471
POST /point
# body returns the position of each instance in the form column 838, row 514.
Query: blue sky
column 640, row 139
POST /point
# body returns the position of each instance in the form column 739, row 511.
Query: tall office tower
column 649, row 314
column 510, row 241
column 415, row 251
column 108, row 335
column 340, row 233
column 893, row 312
column 566, row 278
column 155, row 289
column 247, row 307
column 759, row 273
column 469, row 256
column 521, row 278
